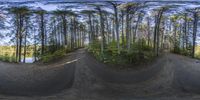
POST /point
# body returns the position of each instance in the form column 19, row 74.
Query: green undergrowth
column 197, row 52
column 53, row 56
column 138, row 53
column 7, row 58
column 187, row 52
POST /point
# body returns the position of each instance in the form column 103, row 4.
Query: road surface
column 178, row 79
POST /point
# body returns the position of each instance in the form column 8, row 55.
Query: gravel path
column 168, row 84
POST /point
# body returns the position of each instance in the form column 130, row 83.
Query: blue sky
column 49, row 6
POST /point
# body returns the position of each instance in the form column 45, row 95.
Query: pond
column 28, row 60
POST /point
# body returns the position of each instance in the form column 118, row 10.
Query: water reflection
column 28, row 60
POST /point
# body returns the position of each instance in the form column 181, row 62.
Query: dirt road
column 178, row 79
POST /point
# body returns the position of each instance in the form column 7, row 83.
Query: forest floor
column 177, row 80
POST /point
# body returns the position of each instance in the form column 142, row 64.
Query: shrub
column 47, row 58
column 53, row 56
column 185, row 52
column 12, row 59
column 59, row 53
column 94, row 47
column 1, row 57
column 138, row 53
column 7, row 58
column 146, row 48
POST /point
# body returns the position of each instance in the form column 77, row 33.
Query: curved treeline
column 117, row 32
column 46, row 32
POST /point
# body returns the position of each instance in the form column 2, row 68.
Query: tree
column 148, row 30
column 40, row 12
column 103, row 41
column 122, row 27
column 2, row 22
column 20, row 14
column 130, row 8
column 175, row 25
column 195, row 16
column 90, row 13
column 115, row 4
column 157, row 28
column 195, row 13
column 63, row 14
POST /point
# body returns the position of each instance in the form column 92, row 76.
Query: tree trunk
column 107, row 30
column 117, row 28
column 156, row 31
column 148, row 29
column 175, row 41
column 127, row 32
column 20, row 37
column 194, row 33
column 113, row 30
column 102, row 31
column 35, row 47
column 122, row 20
column 17, row 38
column 136, row 27
column 155, row 34
column 185, row 31
column 64, row 29
column 91, row 35
column 26, row 32
column 42, row 32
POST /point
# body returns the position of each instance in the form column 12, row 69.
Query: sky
column 50, row 5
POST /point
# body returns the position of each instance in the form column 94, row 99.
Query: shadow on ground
column 32, row 79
